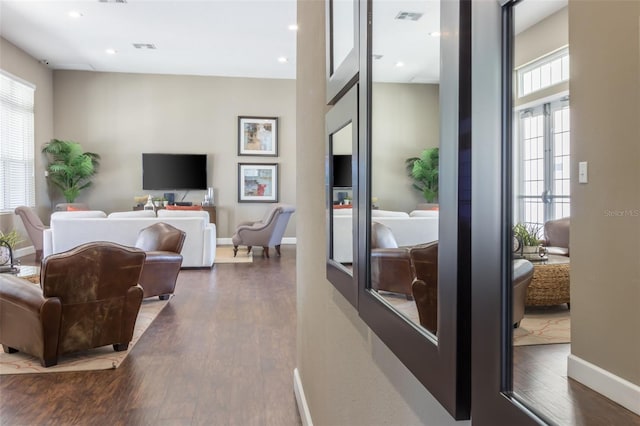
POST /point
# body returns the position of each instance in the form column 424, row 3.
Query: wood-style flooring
column 221, row 353
column 540, row 379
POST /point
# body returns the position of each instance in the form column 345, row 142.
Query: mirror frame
column 442, row 365
column 341, row 77
column 345, row 111
column 493, row 399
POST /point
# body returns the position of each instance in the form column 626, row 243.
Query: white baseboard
column 604, row 382
column 301, row 399
column 228, row 242
column 24, row 251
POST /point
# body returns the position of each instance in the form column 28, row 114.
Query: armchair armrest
column 391, row 270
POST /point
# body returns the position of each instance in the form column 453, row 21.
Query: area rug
column 544, row 325
column 102, row 358
column 224, row 254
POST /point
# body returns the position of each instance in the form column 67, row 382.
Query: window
column 547, row 71
column 543, row 188
column 17, row 179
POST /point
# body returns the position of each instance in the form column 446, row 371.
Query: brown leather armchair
column 425, row 288
column 162, row 244
column 267, row 232
column 391, row 266
column 89, row 297
column 34, row 227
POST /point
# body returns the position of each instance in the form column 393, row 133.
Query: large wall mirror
column 412, row 283
column 342, row 194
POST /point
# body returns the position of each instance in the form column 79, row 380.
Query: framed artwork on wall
column 257, row 183
column 258, row 136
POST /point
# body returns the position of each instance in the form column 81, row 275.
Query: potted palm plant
column 425, row 171
column 70, row 168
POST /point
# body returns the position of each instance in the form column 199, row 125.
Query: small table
column 550, row 284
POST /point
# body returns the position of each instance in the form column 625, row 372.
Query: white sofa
column 417, row 227
column 70, row 229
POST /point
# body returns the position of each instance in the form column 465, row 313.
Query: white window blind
column 17, row 179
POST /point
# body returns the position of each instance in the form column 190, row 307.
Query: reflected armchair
column 391, row 267
column 162, row 243
column 89, row 297
column 34, row 228
column 266, row 233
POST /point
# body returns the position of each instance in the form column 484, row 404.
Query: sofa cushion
column 424, row 213
column 135, row 213
column 388, row 213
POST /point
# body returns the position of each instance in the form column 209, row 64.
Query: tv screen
column 174, row 171
column 341, row 171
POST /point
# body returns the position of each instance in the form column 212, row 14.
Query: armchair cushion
column 556, row 236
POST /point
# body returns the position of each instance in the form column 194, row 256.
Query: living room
column 366, row 358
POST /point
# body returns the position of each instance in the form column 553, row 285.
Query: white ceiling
column 206, row 37
column 242, row 38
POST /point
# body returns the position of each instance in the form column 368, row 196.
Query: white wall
column 120, row 116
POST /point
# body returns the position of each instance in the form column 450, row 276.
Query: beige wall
column 120, row 116
column 549, row 35
column 20, row 64
column 605, row 222
column 349, row 376
column 405, row 121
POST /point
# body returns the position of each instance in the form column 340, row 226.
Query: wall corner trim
column 301, row 399
column 602, row 381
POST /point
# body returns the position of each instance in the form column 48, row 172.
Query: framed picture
column 258, row 136
column 257, row 183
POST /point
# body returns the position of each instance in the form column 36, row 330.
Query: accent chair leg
column 38, row 255
column 516, row 325
column 249, row 249
column 266, row 252
column 235, row 251
column 278, row 249
column 119, row 347
column 164, row 296
column 49, row 362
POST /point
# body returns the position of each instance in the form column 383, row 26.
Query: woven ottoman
column 550, row 285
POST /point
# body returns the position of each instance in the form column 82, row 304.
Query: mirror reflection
column 342, row 21
column 404, row 157
column 342, row 191
column 541, row 204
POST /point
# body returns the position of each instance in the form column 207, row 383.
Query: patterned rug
column 543, row 325
column 224, row 254
column 102, row 358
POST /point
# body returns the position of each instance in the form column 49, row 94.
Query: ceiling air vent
column 112, row 1
column 408, row 16
column 147, row 46
column 376, row 57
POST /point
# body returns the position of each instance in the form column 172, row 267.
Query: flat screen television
column 174, row 171
column 342, row 171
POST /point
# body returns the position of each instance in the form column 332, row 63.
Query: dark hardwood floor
column 540, row 379
column 221, row 353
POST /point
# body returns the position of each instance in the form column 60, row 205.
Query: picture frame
column 258, row 136
column 257, row 183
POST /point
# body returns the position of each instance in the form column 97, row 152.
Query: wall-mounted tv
column 174, row 171
column 342, row 171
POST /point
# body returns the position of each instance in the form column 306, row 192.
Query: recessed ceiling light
column 283, row 59
column 399, row 64
column 376, row 56
column 75, row 14
column 435, row 34
column 110, row 51
column 146, row 46
column 293, row 27
column 408, row 16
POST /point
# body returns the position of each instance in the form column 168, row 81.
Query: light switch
column 583, row 174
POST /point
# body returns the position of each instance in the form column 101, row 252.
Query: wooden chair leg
column 266, row 251
column 278, row 249
column 119, row 347
column 49, row 362
column 249, row 249
column 235, row 251
column 9, row 350
column 164, row 296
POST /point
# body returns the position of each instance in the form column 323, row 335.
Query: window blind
column 17, row 176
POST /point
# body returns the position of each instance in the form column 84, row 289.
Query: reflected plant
column 425, row 171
